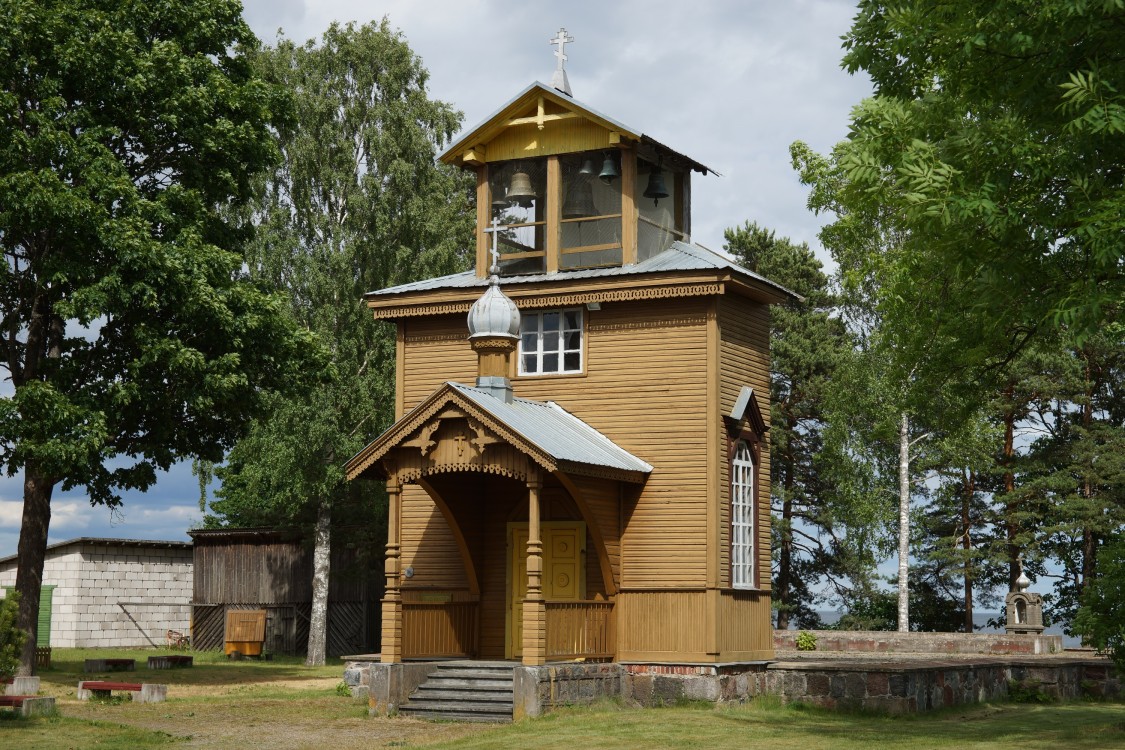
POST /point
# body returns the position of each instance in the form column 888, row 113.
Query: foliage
column 994, row 143
column 1101, row 618
column 11, row 637
column 875, row 609
column 1027, row 691
column 132, row 337
column 806, row 641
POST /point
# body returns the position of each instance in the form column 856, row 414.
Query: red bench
column 143, row 692
column 29, row 705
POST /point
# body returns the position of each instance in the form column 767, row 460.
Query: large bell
column 656, row 189
column 579, row 200
column 609, row 170
column 520, row 190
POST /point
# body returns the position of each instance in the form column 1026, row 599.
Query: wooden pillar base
column 534, row 633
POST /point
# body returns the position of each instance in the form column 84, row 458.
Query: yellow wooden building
column 581, row 471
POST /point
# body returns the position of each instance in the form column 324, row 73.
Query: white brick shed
column 114, row 592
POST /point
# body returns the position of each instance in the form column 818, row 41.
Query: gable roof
column 557, row 439
column 679, row 257
column 492, row 125
column 92, row 540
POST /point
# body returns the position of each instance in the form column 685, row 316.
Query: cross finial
column 559, row 80
column 494, row 270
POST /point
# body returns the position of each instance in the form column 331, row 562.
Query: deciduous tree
column 131, row 336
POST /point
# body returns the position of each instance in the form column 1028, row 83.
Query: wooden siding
column 268, row 569
column 744, row 360
column 745, row 626
column 666, row 626
column 651, row 350
column 557, row 137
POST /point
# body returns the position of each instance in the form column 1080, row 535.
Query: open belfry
column 580, row 472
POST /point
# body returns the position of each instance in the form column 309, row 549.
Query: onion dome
column 494, row 314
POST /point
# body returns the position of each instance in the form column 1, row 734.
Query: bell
column 587, row 168
column 655, row 188
column 579, row 200
column 609, row 170
column 520, row 190
column 499, row 202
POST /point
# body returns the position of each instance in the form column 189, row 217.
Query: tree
column 1102, row 616
column 806, row 341
column 131, row 336
column 357, row 203
column 11, row 637
column 994, row 137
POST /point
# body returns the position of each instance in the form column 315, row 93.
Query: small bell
column 656, row 189
column 609, row 171
column 499, row 202
column 587, row 168
column 520, row 190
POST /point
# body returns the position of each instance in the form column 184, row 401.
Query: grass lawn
column 283, row 704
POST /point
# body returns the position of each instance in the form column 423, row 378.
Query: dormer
column 567, row 188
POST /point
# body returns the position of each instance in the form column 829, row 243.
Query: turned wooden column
column 392, row 597
column 534, row 609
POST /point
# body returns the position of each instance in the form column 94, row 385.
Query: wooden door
column 564, row 571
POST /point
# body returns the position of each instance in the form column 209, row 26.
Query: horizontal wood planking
column 557, row 137
column 650, row 350
column 427, row 545
column 744, row 360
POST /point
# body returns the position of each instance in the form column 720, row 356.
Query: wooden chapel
column 579, row 471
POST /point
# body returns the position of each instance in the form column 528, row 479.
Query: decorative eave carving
column 391, row 311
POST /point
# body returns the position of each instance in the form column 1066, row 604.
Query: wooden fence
column 584, row 629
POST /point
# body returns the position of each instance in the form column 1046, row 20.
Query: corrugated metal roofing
column 679, row 257
column 555, row 431
column 158, row 543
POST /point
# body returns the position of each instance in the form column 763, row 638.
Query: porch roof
column 548, row 433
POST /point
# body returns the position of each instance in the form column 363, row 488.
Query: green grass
column 767, row 725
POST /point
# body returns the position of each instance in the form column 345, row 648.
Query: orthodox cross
column 494, row 230
column 460, row 441
column 559, row 80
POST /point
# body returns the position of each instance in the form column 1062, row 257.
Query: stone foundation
column 540, row 689
column 893, row 642
column 663, row 684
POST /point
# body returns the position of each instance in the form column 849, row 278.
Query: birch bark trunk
column 318, row 622
column 903, row 524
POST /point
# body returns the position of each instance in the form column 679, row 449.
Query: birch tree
column 357, row 203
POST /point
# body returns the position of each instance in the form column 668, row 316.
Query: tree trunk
column 903, row 524
column 1011, row 525
column 785, row 557
column 32, row 551
column 318, row 623
column 969, row 484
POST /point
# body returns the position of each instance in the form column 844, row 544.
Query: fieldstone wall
column 116, row 594
column 537, row 690
column 891, row 642
column 662, row 685
column 899, row 689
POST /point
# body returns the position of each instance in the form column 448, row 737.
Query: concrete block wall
column 116, row 596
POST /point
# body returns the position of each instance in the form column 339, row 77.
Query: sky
column 730, row 83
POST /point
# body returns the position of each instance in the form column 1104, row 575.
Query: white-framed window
column 742, row 552
column 551, row 342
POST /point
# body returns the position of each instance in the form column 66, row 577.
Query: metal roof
column 569, row 101
column 555, row 431
column 679, row 257
column 109, row 542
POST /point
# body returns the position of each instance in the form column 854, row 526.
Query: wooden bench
column 143, row 692
column 170, row 661
column 29, row 705
column 110, row 665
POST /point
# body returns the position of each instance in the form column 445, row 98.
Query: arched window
column 742, row 552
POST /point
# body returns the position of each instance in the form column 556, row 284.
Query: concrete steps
column 464, row 691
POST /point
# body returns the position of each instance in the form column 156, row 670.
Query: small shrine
column 1024, row 608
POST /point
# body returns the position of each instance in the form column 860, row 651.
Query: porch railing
column 580, row 630
column 439, row 629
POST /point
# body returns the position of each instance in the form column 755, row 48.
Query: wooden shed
column 265, row 569
column 582, row 471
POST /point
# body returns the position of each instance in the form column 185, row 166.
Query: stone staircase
column 464, row 691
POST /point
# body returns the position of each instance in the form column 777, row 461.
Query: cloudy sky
column 730, row 83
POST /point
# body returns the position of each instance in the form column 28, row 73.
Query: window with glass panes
column 551, row 342
column 742, row 517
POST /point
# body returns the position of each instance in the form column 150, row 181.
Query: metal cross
column 561, row 40
column 495, row 251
